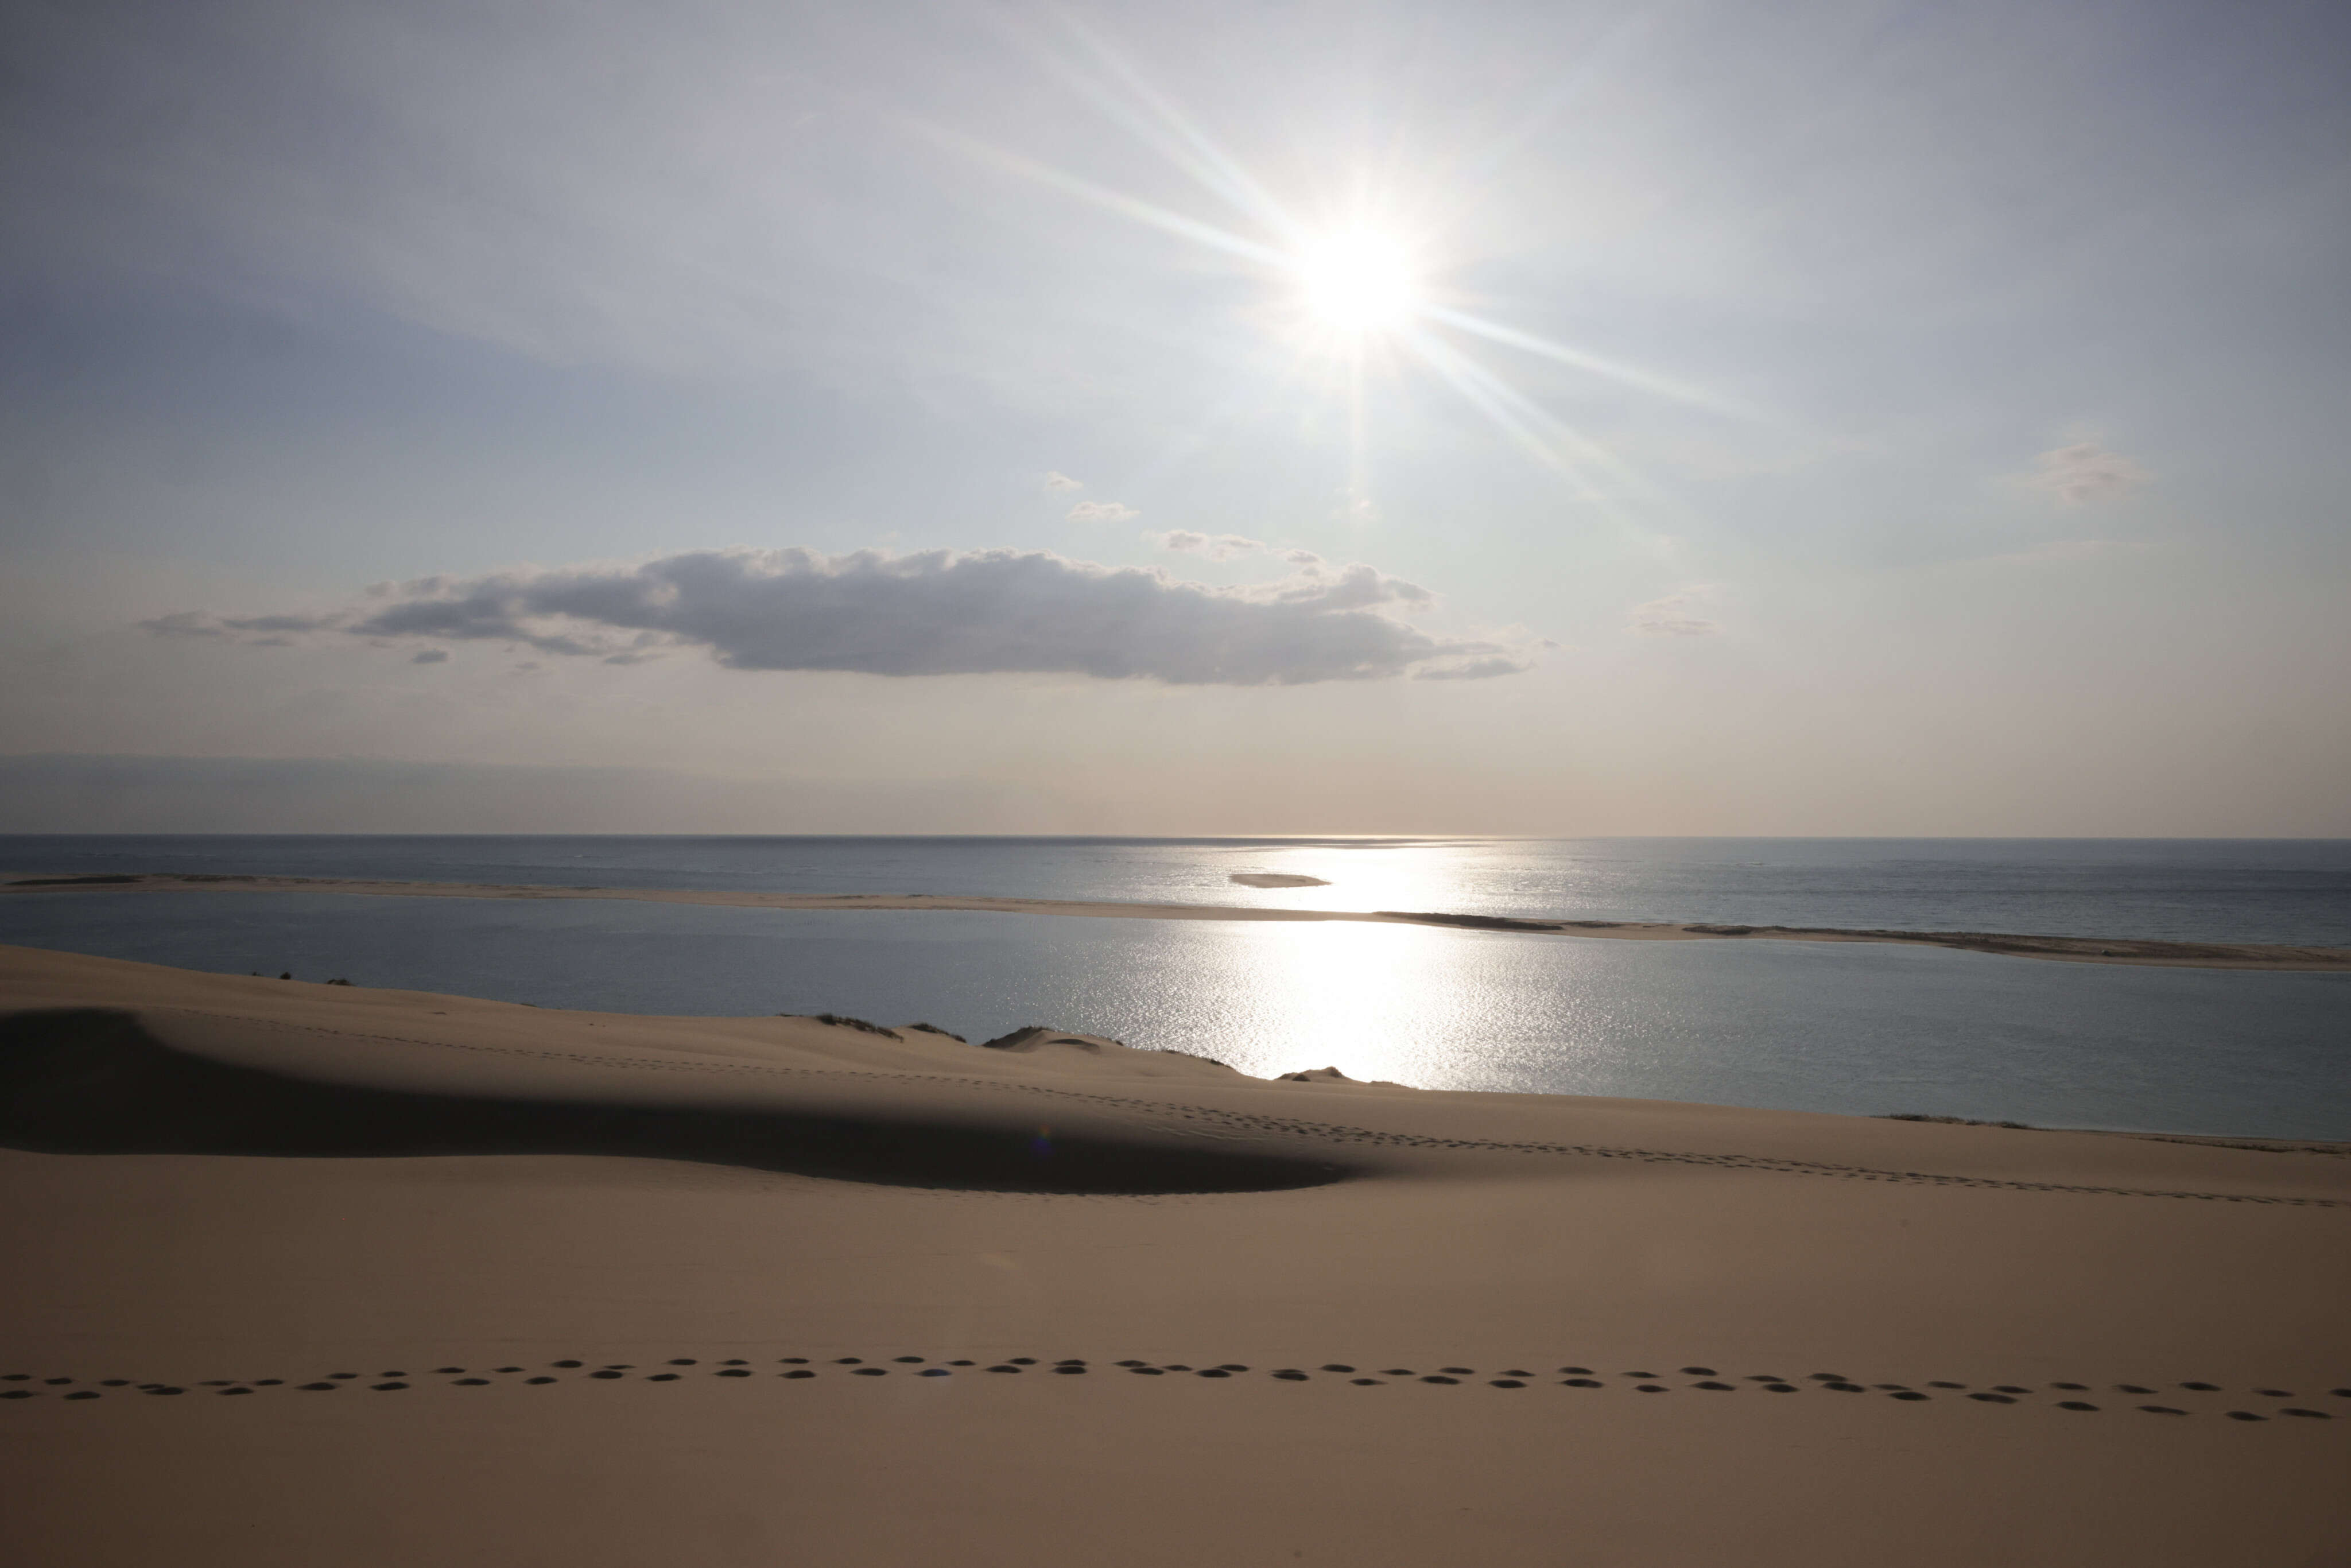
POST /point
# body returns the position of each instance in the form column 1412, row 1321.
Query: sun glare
column 1358, row 281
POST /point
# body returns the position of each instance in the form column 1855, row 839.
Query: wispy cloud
column 1216, row 547
column 193, row 623
column 1227, row 546
column 1057, row 480
column 2086, row 472
column 1101, row 512
column 2056, row 551
column 935, row 613
column 1473, row 669
column 1672, row 616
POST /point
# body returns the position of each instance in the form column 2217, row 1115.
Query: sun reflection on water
column 1412, row 877
column 1369, row 1001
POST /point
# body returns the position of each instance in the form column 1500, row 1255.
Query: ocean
column 1861, row 1030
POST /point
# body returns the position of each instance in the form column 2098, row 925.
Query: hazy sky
column 1555, row 418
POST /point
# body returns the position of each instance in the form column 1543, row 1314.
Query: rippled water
column 1822, row 1027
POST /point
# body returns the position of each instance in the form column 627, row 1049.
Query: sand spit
column 2065, row 949
column 305, row 1274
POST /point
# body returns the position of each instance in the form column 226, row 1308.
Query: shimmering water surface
column 1845, row 1028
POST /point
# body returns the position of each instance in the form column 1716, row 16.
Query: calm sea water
column 1801, row 1026
column 2213, row 890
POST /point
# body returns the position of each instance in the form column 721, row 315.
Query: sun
column 1358, row 281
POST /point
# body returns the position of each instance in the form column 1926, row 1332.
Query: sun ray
column 1582, row 360
column 1171, row 135
column 1555, row 443
column 1131, row 208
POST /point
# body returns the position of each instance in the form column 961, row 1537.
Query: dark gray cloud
column 935, row 613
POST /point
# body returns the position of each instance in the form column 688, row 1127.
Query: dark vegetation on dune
column 91, row 1080
column 842, row 1020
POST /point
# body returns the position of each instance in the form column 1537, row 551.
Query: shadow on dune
column 91, row 1080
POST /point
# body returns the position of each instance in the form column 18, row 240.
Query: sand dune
column 2067, row 949
column 308, row 1274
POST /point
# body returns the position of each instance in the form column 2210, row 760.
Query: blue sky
column 1831, row 418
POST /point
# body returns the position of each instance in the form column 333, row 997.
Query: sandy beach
column 2063, row 948
column 308, row 1274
